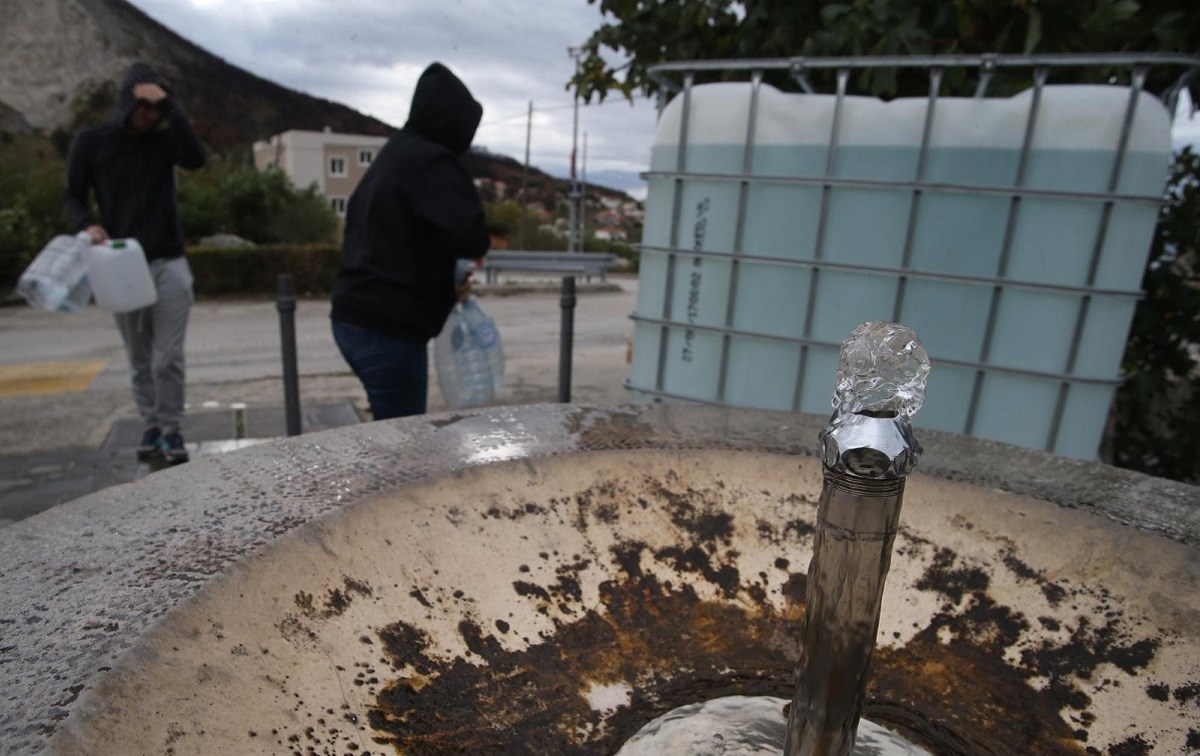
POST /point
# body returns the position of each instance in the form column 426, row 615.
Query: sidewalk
column 32, row 483
column 78, row 435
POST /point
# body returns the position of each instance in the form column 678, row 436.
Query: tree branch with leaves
column 640, row 33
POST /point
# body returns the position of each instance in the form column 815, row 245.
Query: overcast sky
column 368, row 53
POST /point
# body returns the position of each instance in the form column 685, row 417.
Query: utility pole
column 525, row 179
column 583, row 198
column 573, row 191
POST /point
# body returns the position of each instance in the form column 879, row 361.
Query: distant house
column 491, row 189
column 335, row 163
column 606, row 218
column 610, row 233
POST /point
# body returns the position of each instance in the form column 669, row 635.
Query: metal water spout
column 868, row 451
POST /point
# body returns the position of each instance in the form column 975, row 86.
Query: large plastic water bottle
column 463, row 371
column 56, row 280
column 488, row 338
column 78, row 297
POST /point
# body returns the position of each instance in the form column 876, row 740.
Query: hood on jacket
column 138, row 73
column 443, row 109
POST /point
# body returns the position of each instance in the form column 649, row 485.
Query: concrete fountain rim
column 86, row 579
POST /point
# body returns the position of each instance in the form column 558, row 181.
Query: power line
column 525, row 114
column 505, row 118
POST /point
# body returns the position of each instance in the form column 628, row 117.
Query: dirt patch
column 337, row 600
column 611, row 429
column 672, row 647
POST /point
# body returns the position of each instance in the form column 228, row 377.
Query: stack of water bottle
column 468, row 353
column 56, row 280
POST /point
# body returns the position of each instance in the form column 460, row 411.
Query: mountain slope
column 52, row 51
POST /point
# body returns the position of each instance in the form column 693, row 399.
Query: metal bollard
column 285, row 303
column 566, row 339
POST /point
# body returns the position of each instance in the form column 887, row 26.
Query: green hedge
column 227, row 271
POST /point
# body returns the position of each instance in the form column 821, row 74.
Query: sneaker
column 151, row 443
column 173, row 450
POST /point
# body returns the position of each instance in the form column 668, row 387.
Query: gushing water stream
column 868, row 450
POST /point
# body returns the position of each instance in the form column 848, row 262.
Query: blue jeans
column 395, row 373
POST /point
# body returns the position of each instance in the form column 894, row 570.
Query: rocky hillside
column 53, row 51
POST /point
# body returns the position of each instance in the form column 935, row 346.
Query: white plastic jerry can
column 120, row 276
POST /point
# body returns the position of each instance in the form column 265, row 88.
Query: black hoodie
column 413, row 214
column 133, row 176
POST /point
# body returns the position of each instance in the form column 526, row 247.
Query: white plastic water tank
column 120, row 276
column 747, row 288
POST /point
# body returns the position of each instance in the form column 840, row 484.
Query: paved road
column 64, row 382
column 230, row 342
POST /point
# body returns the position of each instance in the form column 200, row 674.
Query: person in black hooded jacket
column 413, row 215
column 129, row 163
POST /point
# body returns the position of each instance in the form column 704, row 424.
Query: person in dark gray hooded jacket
column 413, row 215
column 128, row 163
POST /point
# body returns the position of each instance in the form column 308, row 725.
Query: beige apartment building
column 335, row 163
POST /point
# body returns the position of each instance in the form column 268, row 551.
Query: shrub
column 544, row 239
column 202, row 209
column 228, row 271
column 503, row 218
column 620, row 249
column 263, row 206
column 19, row 242
column 305, row 217
column 1153, row 425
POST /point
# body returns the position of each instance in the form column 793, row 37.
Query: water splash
column 743, row 726
column 882, row 368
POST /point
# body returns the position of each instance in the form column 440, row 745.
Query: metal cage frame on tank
column 1065, row 391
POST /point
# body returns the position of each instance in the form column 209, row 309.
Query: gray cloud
column 368, row 53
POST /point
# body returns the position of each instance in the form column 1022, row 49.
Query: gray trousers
column 153, row 339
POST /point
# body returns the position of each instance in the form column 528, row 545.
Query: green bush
column 262, row 206
column 30, row 202
column 1153, row 427
column 305, row 217
column 503, row 218
column 620, row 249
column 202, row 209
column 18, row 242
column 543, row 239
column 229, row 271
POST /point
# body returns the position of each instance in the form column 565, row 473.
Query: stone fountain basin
column 549, row 579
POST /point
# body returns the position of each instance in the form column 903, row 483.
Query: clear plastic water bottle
column 56, row 280
column 78, row 297
column 463, row 371
column 488, row 338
